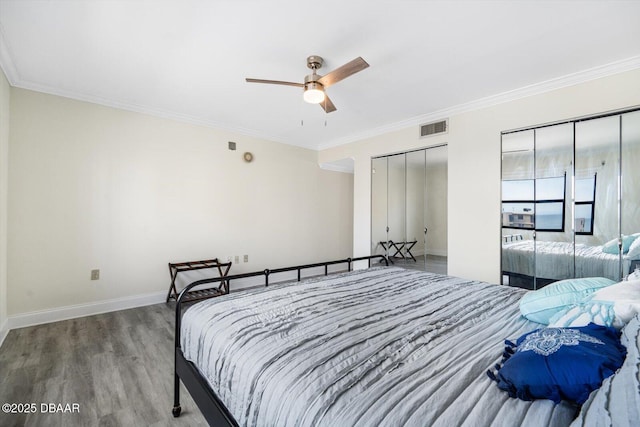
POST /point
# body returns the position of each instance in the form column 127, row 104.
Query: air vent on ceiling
column 434, row 128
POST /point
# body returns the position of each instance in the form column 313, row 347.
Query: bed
column 555, row 260
column 379, row 346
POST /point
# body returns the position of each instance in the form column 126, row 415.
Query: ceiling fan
column 315, row 84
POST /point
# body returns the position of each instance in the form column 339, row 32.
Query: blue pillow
column 539, row 306
column 560, row 363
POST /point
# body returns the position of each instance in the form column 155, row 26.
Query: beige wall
column 4, row 166
column 92, row 187
column 474, row 165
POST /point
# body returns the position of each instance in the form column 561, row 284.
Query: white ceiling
column 188, row 59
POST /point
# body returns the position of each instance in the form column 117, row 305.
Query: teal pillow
column 539, row 306
column 627, row 241
column 611, row 247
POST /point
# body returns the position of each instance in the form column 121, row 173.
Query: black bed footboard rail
column 267, row 272
column 216, row 410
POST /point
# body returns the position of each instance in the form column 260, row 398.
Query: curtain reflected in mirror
column 518, row 209
column 597, row 164
column 554, row 234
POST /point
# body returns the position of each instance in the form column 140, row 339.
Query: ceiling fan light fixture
column 313, row 93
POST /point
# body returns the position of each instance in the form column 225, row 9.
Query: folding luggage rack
column 198, row 294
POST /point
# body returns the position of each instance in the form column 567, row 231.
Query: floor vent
column 435, row 128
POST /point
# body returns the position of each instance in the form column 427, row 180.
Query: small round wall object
column 248, row 157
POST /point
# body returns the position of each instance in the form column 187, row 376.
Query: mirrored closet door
column 630, row 183
column 409, row 208
column 570, row 200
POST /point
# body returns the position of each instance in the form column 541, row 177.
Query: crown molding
column 512, row 95
column 335, row 167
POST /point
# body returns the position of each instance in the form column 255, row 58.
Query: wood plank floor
column 434, row 264
column 117, row 366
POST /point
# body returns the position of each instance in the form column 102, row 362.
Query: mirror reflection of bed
column 570, row 200
column 409, row 208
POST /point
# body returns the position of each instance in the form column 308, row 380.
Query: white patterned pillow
column 613, row 306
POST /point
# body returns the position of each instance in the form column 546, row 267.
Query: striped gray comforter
column 375, row 347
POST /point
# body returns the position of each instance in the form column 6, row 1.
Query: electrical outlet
column 246, row 258
column 237, row 259
column 95, row 274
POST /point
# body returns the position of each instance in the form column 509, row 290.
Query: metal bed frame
column 214, row 411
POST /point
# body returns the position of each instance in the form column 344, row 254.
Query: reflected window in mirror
column 585, row 208
column 534, row 204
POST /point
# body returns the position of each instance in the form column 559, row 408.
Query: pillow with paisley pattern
column 560, row 363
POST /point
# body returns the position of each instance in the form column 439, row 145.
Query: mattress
column 375, row 347
column 554, row 260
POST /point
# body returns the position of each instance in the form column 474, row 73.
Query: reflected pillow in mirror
column 614, row 306
column 611, row 247
column 634, row 248
column 627, row 241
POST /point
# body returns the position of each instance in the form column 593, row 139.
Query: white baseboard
column 80, row 310
column 4, row 331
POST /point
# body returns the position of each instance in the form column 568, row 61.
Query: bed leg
column 176, row 397
column 176, row 411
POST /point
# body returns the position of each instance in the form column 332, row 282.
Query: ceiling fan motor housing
column 315, row 62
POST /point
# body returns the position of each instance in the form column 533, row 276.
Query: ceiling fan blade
column 343, row 72
column 274, row 82
column 327, row 105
